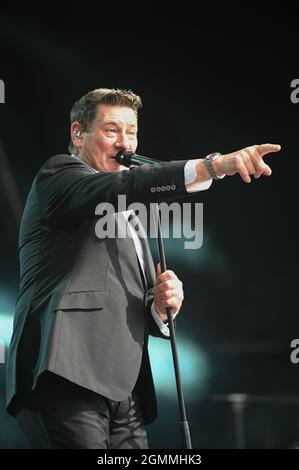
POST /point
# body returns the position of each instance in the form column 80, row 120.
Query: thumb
column 158, row 269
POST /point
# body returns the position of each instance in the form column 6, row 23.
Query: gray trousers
column 76, row 418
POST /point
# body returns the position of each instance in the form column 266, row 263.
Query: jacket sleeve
column 69, row 190
column 153, row 328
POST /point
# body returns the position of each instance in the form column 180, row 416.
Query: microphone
column 130, row 158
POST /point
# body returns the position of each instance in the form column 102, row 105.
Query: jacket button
column 167, row 187
column 153, row 190
column 173, row 186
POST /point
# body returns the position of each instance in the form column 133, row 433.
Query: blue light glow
column 193, row 362
column 6, row 323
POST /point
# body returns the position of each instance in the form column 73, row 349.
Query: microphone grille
column 123, row 157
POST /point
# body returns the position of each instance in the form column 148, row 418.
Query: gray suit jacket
column 82, row 311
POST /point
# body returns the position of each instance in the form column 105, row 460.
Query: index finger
column 263, row 149
column 168, row 274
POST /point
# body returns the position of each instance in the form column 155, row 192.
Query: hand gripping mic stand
column 130, row 159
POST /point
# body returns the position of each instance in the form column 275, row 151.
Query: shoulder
column 63, row 162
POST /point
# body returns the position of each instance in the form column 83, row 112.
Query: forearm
column 201, row 177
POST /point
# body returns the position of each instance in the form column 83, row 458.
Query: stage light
column 6, row 324
column 194, row 366
column 7, row 302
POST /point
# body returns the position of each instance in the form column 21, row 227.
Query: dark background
column 209, row 82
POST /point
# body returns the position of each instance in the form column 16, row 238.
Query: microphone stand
column 184, row 426
column 128, row 159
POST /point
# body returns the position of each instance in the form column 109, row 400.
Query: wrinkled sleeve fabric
column 69, row 190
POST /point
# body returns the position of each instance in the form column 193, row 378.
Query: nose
column 123, row 142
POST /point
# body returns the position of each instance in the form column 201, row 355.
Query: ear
column 76, row 134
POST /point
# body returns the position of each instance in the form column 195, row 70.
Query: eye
column 110, row 131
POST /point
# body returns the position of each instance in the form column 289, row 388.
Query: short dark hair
column 85, row 109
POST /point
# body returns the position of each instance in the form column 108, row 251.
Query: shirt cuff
column 163, row 327
column 190, row 177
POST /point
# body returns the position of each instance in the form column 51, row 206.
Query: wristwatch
column 208, row 161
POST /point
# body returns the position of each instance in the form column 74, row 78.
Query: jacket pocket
column 81, row 300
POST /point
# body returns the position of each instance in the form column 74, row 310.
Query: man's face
column 113, row 129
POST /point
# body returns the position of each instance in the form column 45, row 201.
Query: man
column 78, row 371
